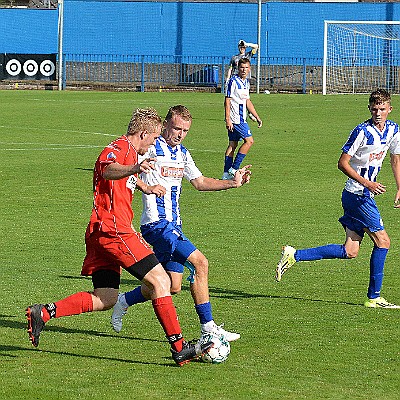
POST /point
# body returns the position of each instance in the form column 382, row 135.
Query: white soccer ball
column 219, row 352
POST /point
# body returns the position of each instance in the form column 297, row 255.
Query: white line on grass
column 59, row 130
column 53, row 144
column 206, row 150
column 67, row 147
column 70, row 100
column 59, row 146
column 50, row 148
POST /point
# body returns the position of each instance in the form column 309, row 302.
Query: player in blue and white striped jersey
column 361, row 161
column 161, row 223
column 237, row 102
column 173, row 164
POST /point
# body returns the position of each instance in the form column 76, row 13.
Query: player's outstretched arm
column 206, row 184
column 242, row 175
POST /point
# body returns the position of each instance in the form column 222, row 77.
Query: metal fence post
column 142, row 80
column 223, row 77
column 304, row 76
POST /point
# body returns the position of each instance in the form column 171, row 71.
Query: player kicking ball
column 113, row 244
column 361, row 160
column 161, row 223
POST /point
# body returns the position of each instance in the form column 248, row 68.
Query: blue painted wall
column 28, row 31
column 189, row 29
column 158, row 28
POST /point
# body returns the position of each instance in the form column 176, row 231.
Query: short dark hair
column 379, row 96
column 243, row 60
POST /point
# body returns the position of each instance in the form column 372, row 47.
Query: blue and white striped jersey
column 238, row 91
column 172, row 164
column 367, row 148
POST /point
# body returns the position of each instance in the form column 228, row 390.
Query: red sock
column 166, row 314
column 77, row 303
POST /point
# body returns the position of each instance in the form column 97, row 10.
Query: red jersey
column 112, row 199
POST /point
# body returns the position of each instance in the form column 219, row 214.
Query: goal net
column 360, row 56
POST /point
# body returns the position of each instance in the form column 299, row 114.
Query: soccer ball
column 219, row 352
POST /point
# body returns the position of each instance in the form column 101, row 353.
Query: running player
column 161, row 223
column 112, row 243
column 361, row 161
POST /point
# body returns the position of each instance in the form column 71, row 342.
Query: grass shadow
column 17, row 324
column 6, row 349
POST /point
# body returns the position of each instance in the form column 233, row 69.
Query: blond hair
column 143, row 119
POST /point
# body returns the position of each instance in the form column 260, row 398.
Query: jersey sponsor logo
column 376, row 156
column 171, row 172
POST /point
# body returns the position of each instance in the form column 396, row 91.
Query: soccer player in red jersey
column 113, row 244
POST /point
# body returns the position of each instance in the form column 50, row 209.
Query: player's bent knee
column 104, row 298
column 202, row 268
column 385, row 243
column 249, row 141
column 163, row 283
column 158, row 281
column 200, row 263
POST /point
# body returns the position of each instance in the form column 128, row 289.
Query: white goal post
column 360, row 56
column 61, row 77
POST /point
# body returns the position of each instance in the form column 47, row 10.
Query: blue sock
column 238, row 160
column 318, row 253
column 204, row 312
column 135, row 296
column 376, row 265
column 228, row 163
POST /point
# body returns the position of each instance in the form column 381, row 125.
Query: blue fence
column 162, row 72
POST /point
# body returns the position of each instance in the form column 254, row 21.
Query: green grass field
column 308, row 337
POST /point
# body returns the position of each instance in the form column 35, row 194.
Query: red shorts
column 110, row 251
